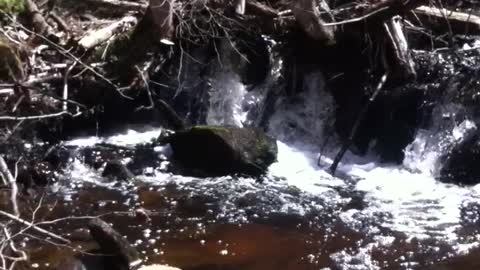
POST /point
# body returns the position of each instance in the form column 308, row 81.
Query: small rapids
column 371, row 216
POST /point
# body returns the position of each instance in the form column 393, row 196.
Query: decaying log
column 405, row 66
column 308, row 17
column 161, row 12
column 471, row 22
column 97, row 37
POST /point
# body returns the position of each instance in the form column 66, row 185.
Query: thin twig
column 33, row 226
column 66, row 54
column 37, row 117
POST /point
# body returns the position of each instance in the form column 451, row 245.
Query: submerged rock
column 217, row 150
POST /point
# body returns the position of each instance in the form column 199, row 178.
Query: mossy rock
column 10, row 65
column 218, row 150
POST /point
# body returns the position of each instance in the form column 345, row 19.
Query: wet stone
column 116, row 170
column 218, row 150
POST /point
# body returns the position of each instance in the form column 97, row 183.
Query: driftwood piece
column 470, row 22
column 405, row 66
column 308, row 17
column 97, row 37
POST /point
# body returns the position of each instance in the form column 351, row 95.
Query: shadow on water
column 167, row 228
column 170, row 225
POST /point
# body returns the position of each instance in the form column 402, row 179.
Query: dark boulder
column 217, row 150
column 461, row 164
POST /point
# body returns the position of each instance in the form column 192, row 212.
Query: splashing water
column 405, row 199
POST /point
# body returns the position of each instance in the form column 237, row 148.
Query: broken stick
column 97, row 37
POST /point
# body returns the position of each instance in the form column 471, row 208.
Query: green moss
column 12, row 5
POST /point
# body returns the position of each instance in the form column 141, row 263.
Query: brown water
column 189, row 231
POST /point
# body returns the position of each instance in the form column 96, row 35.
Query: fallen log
column 466, row 23
column 97, row 37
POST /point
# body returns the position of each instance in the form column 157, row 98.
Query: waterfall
column 389, row 200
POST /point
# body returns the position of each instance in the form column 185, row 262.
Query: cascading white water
column 415, row 202
column 401, row 198
column 226, row 93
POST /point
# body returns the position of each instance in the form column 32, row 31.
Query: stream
column 371, row 215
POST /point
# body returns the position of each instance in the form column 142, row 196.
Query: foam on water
column 128, row 138
column 416, row 203
column 407, row 197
